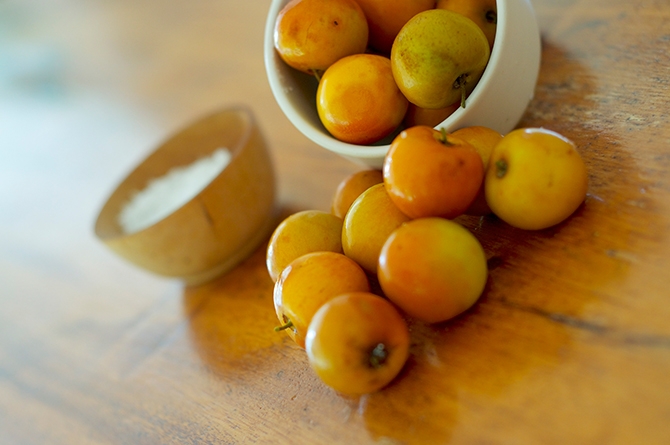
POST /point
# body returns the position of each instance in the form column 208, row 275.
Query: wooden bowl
column 221, row 224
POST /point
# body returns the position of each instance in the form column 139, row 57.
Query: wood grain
column 570, row 343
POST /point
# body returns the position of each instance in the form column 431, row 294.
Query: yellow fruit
column 358, row 100
column 357, row 343
column 310, row 281
column 433, row 269
column 303, row 232
column 536, row 179
column 351, row 188
column 438, row 57
column 311, row 35
column 370, row 220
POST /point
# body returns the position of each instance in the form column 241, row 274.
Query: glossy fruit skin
column 483, row 12
column 484, row 139
column 433, row 269
column 310, row 281
column 427, row 177
column 434, row 54
column 310, row 35
column 536, row 179
column 351, row 188
column 358, row 100
column 342, row 338
column 370, row 220
column 387, row 17
column 300, row 233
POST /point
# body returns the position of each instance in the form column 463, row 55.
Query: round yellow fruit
column 370, row 220
column 310, row 281
column 536, row 179
column 438, row 57
column 433, row 269
column 357, row 343
column 351, row 188
column 301, row 233
column 311, row 35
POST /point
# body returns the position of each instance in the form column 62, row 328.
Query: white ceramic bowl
column 498, row 101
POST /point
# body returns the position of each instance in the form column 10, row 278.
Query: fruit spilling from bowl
column 391, row 249
column 371, row 63
column 498, row 100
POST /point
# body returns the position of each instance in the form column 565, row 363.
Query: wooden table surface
column 570, row 344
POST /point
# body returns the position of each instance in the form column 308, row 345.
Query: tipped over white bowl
column 498, row 101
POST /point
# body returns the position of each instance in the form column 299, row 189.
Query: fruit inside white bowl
column 498, row 101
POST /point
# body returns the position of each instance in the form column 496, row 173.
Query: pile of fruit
column 386, row 65
column 396, row 228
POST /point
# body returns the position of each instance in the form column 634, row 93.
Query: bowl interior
column 230, row 130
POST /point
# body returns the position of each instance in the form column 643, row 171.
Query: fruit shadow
column 534, row 308
column 229, row 317
column 231, row 320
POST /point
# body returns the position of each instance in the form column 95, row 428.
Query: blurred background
column 115, row 77
column 89, row 87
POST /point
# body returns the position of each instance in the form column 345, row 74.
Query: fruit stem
column 459, row 84
column 443, row 137
column 378, row 355
column 317, row 74
column 501, row 168
column 287, row 325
